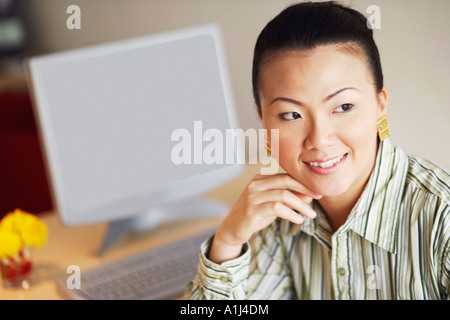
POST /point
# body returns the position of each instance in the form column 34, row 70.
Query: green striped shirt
column 394, row 245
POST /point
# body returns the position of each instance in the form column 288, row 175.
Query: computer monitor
column 110, row 118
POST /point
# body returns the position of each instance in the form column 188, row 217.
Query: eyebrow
column 299, row 103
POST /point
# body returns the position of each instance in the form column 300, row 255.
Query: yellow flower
column 10, row 243
column 33, row 232
column 30, row 230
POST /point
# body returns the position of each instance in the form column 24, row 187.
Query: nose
column 320, row 134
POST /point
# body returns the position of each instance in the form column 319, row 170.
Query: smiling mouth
column 328, row 166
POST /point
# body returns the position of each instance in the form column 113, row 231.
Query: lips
column 326, row 166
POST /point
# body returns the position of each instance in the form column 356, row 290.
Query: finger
column 287, row 198
column 282, row 181
column 303, row 197
column 280, row 210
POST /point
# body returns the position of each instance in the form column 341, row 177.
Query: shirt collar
column 318, row 227
column 376, row 214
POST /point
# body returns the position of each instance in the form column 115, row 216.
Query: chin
column 329, row 188
column 331, row 193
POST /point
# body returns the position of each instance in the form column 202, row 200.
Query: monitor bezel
column 133, row 206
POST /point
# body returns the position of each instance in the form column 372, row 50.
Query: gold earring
column 268, row 149
column 383, row 128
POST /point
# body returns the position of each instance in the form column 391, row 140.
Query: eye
column 344, row 108
column 289, row 116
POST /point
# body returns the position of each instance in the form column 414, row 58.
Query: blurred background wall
column 413, row 42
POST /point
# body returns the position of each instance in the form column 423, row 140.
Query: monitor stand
column 182, row 210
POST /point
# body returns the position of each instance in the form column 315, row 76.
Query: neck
column 337, row 209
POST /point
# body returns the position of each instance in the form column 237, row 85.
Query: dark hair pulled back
column 307, row 25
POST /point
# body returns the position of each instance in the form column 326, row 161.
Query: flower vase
column 17, row 270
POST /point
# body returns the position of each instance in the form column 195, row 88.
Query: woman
column 354, row 217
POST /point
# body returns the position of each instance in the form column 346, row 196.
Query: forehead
column 323, row 68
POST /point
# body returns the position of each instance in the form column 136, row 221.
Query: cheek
column 289, row 148
column 359, row 136
column 360, row 132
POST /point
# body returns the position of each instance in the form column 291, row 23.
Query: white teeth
column 326, row 164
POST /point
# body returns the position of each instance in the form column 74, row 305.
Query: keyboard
column 159, row 273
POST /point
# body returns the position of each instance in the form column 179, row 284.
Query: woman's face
column 324, row 103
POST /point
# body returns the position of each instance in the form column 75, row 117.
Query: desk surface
column 79, row 245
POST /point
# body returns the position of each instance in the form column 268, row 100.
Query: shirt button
column 341, row 272
column 224, row 279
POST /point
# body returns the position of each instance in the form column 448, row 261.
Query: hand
column 263, row 200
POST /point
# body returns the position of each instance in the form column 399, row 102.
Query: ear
column 260, row 113
column 382, row 98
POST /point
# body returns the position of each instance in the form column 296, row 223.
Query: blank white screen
column 112, row 117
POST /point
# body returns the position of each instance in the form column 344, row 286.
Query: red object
column 15, row 270
column 10, row 272
column 23, row 181
column 25, row 267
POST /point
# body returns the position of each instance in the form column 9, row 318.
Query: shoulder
column 428, row 177
column 427, row 191
column 428, row 194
